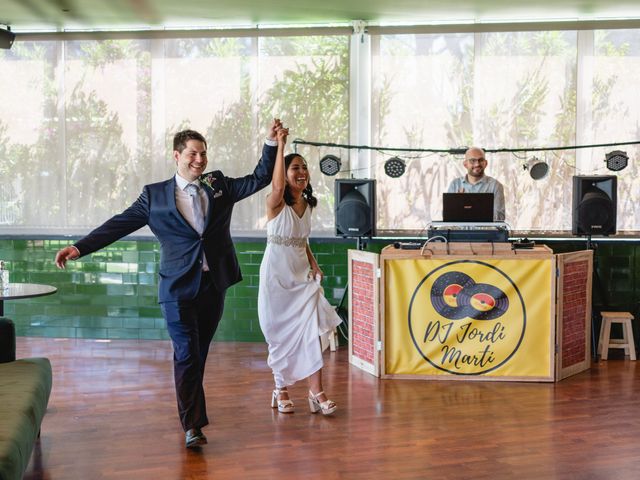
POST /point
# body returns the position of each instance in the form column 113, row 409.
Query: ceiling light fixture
column 330, row 165
column 394, row 167
column 616, row 160
column 538, row 169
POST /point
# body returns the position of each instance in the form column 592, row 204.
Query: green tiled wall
column 616, row 284
column 113, row 293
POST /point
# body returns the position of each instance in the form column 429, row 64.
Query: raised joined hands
column 273, row 130
column 282, row 134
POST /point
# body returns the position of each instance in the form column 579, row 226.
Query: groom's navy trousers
column 191, row 325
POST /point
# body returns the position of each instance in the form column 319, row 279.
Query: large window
column 84, row 124
column 613, row 112
column 494, row 90
column 504, row 90
column 31, row 157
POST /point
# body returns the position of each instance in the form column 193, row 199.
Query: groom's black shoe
column 194, row 438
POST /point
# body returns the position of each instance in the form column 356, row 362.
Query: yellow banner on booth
column 468, row 317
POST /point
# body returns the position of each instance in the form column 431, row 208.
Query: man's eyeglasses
column 476, row 161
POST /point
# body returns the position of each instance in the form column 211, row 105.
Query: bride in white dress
column 292, row 309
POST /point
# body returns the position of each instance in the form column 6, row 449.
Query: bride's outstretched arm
column 275, row 199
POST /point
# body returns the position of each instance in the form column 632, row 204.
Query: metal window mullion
column 360, row 100
column 61, row 112
column 584, row 90
column 159, row 155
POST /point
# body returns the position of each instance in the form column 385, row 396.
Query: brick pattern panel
column 362, row 316
column 574, row 302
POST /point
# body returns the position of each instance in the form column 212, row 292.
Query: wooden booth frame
column 569, row 333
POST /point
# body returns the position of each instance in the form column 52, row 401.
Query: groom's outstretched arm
column 118, row 226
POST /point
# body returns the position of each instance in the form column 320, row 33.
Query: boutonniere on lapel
column 209, row 179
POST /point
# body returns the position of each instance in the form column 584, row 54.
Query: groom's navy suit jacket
column 181, row 246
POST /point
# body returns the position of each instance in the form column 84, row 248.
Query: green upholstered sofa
column 25, row 385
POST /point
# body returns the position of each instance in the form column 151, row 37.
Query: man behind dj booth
column 475, row 181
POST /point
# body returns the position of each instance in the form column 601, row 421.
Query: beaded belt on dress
column 287, row 241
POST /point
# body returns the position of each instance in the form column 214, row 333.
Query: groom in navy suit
column 198, row 261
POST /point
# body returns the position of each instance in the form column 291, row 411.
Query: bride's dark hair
column 307, row 193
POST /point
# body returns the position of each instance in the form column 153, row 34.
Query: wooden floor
column 112, row 415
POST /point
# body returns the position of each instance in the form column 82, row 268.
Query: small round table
column 24, row 290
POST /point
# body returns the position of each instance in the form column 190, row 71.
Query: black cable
column 457, row 151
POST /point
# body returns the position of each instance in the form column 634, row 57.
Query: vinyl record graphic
column 445, row 294
column 483, row 302
column 467, row 317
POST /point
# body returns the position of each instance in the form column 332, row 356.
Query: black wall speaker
column 6, row 38
column 355, row 208
column 594, row 205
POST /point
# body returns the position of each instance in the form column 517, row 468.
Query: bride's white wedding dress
column 292, row 309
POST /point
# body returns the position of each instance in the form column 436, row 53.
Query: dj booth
column 470, row 310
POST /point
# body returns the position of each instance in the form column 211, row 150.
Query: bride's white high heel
column 283, row 406
column 327, row 407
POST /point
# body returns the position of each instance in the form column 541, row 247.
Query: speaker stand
column 599, row 287
column 343, row 313
column 361, row 243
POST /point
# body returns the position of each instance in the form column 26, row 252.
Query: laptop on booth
column 467, row 207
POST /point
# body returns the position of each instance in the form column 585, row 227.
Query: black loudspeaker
column 6, row 38
column 355, row 208
column 594, row 205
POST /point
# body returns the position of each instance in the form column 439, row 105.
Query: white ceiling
column 37, row 15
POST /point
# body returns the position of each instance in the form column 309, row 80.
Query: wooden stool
column 606, row 342
column 329, row 339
